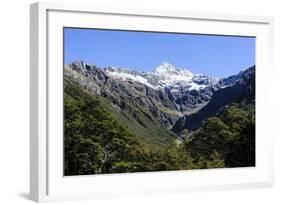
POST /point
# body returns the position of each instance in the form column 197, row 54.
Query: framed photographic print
column 127, row 102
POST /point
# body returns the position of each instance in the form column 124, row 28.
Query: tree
column 94, row 141
column 228, row 139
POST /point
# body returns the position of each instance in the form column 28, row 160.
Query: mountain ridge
column 239, row 89
column 164, row 75
column 164, row 95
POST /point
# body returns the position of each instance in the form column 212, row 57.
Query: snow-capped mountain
column 238, row 89
column 164, row 95
column 170, row 74
column 164, row 76
column 129, row 75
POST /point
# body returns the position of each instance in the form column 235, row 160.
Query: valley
column 170, row 115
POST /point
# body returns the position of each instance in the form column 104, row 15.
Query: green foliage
column 227, row 140
column 144, row 126
column 93, row 140
column 98, row 140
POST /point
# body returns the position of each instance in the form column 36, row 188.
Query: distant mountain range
column 168, row 98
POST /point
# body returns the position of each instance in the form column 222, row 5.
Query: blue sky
column 217, row 56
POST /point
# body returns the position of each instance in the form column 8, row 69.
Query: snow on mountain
column 165, row 75
column 166, row 91
column 126, row 75
column 173, row 77
column 170, row 73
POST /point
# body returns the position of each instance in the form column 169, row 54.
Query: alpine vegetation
column 120, row 120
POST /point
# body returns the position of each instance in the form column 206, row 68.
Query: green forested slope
column 144, row 126
column 230, row 137
column 99, row 140
column 95, row 142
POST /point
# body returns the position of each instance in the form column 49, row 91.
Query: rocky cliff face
column 239, row 89
column 166, row 94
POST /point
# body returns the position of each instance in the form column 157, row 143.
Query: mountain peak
column 165, row 75
column 167, row 64
column 165, row 68
column 79, row 63
column 168, row 71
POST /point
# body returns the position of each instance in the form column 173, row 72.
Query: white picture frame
column 47, row 182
